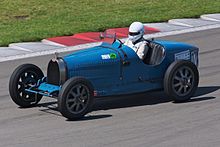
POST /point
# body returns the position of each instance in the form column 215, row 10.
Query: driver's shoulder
column 142, row 42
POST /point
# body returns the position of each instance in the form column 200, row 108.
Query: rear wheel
column 22, row 78
column 181, row 80
column 75, row 98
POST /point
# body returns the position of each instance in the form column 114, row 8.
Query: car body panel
column 115, row 69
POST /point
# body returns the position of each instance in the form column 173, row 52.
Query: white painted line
column 193, row 22
column 45, row 41
column 175, row 22
column 19, row 48
column 49, row 52
column 162, row 34
column 7, row 52
column 34, row 46
column 80, row 47
column 207, row 17
column 165, row 27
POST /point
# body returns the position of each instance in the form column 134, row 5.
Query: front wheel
column 181, row 80
column 75, row 98
column 22, row 78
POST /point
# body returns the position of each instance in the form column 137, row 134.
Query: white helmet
column 136, row 31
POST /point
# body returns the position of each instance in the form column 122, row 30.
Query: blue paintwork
column 172, row 46
column 111, row 77
column 44, row 89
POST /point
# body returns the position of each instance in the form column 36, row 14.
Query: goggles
column 133, row 33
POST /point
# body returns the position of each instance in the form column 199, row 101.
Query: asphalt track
column 149, row 119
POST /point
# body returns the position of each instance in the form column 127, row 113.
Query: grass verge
column 31, row 20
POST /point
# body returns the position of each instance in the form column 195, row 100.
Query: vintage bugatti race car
column 106, row 70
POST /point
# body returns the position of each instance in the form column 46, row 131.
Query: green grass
column 33, row 20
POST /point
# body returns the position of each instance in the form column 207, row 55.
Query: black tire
column 75, row 98
column 22, row 77
column 181, row 80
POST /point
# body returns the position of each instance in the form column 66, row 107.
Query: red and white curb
column 91, row 39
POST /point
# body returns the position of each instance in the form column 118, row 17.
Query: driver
column 136, row 41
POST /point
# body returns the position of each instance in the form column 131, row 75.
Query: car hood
column 102, row 54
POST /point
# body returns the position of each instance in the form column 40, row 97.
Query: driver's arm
column 142, row 51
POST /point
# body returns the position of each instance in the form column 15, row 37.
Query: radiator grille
column 56, row 72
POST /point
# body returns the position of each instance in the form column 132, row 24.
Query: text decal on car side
column 185, row 55
column 109, row 56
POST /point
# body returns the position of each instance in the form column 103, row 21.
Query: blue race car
column 106, row 70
